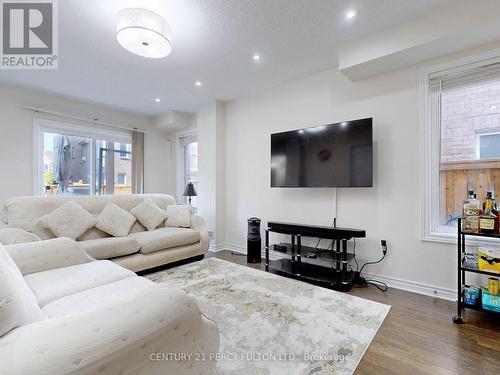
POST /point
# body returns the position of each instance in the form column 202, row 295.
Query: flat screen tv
column 336, row 155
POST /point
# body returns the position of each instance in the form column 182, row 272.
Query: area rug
column 272, row 325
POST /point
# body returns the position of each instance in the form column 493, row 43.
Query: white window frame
column 180, row 162
column 42, row 125
column 430, row 136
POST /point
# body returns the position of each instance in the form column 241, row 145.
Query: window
column 125, row 150
column 67, row 164
column 112, row 168
column 122, row 178
column 460, row 140
column 74, row 160
column 488, row 146
column 188, row 166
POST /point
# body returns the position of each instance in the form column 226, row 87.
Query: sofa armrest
column 45, row 255
column 3, row 218
column 198, row 223
column 123, row 339
column 12, row 235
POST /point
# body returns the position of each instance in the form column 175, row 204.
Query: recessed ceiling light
column 157, row 100
column 198, row 83
column 256, row 57
column 350, row 14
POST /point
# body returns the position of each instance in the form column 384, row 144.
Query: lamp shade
column 144, row 33
column 190, row 190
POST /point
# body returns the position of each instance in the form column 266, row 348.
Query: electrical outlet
column 210, row 234
column 383, row 243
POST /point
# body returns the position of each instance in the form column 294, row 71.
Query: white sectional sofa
column 97, row 318
column 139, row 250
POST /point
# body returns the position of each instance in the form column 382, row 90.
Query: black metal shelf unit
column 328, row 266
column 462, row 269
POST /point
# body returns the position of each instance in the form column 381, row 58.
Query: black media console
column 320, row 265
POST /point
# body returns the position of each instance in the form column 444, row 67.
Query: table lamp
column 190, row 191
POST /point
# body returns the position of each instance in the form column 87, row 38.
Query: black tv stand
column 323, row 266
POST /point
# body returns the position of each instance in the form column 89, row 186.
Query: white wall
column 390, row 210
column 16, row 140
column 211, row 168
column 445, row 30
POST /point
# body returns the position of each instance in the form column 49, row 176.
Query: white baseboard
column 415, row 287
column 226, row 246
column 236, row 248
column 393, row 282
column 215, row 248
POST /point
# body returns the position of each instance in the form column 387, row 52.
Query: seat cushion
column 165, row 238
column 110, row 247
column 60, row 282
column 99, row 297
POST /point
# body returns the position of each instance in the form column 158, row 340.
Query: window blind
column 187, row 139
column 489, row 72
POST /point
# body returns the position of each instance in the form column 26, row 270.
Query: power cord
column 235, row 253
column 365, row 282
column 334, row 224
column 378, row 284
column 378, row 261
column 354, row 253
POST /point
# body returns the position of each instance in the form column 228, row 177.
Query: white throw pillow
column 115, row 220
column 179, row 216
column 18, row 305
column 69, row 220
column 149, row 214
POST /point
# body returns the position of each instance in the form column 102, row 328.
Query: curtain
column 137, row 162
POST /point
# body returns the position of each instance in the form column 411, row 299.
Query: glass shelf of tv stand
column 324, row 258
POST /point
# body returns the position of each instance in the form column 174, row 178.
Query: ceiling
column 213, row 41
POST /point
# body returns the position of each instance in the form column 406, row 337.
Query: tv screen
column 336, row 155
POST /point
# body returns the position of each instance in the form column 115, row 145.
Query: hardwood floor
column 419, row 337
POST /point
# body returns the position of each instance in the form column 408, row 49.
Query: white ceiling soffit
column 446, row 30
column 172, row 121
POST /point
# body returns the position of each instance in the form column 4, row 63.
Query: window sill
column 447, row 236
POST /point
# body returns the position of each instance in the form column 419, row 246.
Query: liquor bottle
column 488, row 221
column 491, row 189
column 494, row 206
column 470, row 214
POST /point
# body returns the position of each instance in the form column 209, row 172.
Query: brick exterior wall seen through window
column 465, row 113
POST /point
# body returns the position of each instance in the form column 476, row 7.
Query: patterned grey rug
column 272, row 325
